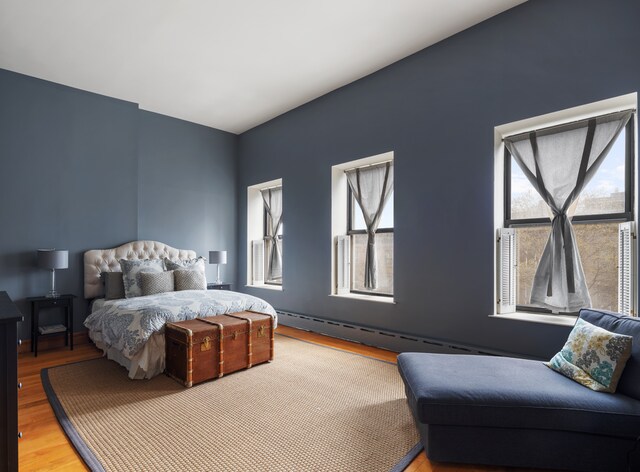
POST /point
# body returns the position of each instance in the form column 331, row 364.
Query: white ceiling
column 227, row 64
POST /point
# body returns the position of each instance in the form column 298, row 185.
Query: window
column 362, row 228
column 265, row 235
column 357, row 231
column 273, row 230
column 566, row 246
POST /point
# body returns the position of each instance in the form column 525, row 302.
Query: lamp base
column 53, row 293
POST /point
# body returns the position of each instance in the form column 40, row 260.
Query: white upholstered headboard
column 97, row 261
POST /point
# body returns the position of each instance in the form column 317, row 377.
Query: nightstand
column 220, row 286
column 64, row 302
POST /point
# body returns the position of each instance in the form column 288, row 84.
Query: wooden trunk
column 235, row 342
column 192, row 351
column 261, row 339
column 207, row 348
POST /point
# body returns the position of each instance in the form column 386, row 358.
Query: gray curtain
column 273, row 205
column 371, row 187
column 559, row 162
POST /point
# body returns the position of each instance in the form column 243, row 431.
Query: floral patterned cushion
column 593, row 357
column 191, row 264
column 131, row 274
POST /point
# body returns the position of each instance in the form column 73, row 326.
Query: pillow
column 113, row 285
column 131, row 271
column 593, row 357
column 192, row 264
column 190, row 280
column 156, row 282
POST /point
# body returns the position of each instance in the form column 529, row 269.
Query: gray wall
column 82, row 171
column 187, row 187
column 437, row 110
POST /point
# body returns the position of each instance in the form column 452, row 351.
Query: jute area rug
column 313, row 408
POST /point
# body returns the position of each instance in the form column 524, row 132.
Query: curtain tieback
column 567, row 247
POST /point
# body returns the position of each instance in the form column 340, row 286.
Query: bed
column 130, row 331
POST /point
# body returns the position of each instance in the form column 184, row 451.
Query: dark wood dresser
column 9, row 318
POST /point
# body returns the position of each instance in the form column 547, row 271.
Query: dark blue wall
column 82, row 171
column 68, row 181
column 437, row 110
column 187, row 187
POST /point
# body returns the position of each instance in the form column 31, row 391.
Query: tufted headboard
column 97, row 261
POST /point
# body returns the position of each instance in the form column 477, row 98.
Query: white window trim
column 368, row 298
column 339, row 203
column 266, row 286
column 623, row 102
column 255, row 225
column 545, row 318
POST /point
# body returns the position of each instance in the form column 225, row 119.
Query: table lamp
column 218, row 257
column 53, row 259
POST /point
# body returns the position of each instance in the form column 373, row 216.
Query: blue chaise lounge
column 517, row 412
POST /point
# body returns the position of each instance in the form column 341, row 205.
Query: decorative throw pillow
column 131, row 271
column 593, row 357
column 189, row 280
column 192, row 264
column 156, row 282
column 113, row 285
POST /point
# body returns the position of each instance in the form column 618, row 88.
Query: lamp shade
column 217, row 257
column 53, row 259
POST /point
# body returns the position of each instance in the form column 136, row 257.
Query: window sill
column 266, row 286
column 369, row 298
column 560, row 320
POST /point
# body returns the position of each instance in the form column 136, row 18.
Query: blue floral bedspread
column 127, row 324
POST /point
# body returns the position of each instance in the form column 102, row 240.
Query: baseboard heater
column 378, row 338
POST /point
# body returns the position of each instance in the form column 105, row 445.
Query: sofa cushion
column 593, row 357
column 629, row 383
column 454, row 389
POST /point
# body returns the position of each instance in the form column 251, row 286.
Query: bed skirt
column 147, row 363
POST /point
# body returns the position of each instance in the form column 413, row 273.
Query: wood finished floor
column 45, row 447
